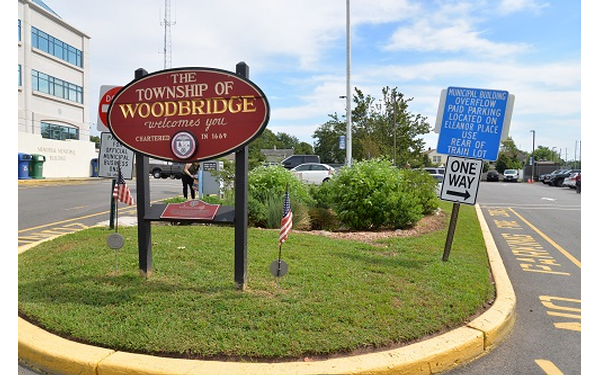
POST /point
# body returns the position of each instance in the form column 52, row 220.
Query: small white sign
column 112, row 154
column 461, row 180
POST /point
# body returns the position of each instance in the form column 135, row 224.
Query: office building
column 53, row 89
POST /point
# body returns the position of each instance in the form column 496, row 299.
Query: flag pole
column 279, row 268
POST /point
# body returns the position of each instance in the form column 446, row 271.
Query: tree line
column 381, row 127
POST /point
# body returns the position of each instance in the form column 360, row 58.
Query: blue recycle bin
column 24, row 160
column 94, row 167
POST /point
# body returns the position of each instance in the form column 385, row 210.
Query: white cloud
column 296, row 52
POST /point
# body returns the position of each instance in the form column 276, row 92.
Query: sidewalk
column 44, row 351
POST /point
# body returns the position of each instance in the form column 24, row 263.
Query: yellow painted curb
column 45, row 351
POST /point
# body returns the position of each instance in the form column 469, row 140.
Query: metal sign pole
column 451, row 228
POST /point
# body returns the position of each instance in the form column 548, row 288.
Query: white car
column 313, row 173
column 437, row 173
column 571, row 180
column 510, row 175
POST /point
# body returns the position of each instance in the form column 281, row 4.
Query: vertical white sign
column 461, row 180
column 112, row 154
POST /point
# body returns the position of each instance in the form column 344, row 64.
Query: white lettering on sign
column 466, row 115
column 461, row 180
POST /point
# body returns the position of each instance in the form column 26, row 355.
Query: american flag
column 121, row 191
column 286, row 218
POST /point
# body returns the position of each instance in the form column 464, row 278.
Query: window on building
column 20, row 76
column 59, row 132
column 56, row 47
column 56, row 87
column 19, row 31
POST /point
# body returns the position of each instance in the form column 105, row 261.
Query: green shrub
column 323, row 219
column 274, row 211
column 257, row 213
column 266, row 191
column 424, row 187
column 374, row 194
column 321, row 194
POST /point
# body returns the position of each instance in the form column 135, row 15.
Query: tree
column 509, row 156
column 381, row 127
column 96, row 140
column 326, row 144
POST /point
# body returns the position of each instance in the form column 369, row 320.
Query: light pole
column 348, row 90
column 395, row 132
column 533, row 158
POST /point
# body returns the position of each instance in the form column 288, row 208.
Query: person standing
column 190, row 172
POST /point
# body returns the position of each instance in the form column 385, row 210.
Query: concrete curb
column 47, row 352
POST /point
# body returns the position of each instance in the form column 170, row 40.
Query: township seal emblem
column 183, row 145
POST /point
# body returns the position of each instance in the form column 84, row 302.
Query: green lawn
column 338, row 296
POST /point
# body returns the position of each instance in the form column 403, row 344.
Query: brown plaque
column 194, row 209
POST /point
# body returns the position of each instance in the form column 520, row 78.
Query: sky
column 297, row 54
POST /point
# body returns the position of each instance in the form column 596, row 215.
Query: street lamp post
column 395, row 132
column 533, row 158
column 348, row 90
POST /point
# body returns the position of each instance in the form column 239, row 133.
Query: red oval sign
column 188, row 114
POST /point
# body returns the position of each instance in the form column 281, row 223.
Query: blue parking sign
column 472, row 122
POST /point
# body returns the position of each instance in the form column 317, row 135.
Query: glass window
column 59, row 132
column 57, row 87
column 55, row 47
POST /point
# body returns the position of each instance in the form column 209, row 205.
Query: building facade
column 53, row 92
column 436, row 159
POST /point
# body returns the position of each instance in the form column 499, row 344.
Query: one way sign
column 461, row 180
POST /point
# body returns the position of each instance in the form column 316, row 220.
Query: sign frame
column 188, row 114
column 461, row 181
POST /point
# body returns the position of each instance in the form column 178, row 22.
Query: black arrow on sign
column 465, row 195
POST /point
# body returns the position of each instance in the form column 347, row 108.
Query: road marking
column 558, row 306
column 556, row 246
column 548, row 367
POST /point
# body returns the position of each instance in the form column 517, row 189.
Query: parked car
column 571, row 180
column 558, row 178
column 313, row 173
column 436, row 172
column 578, row 183
column 295, row 160
column 492, row 175
column 546, row 177
column 163, row 169
column 510, row 175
